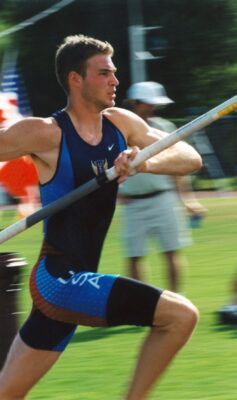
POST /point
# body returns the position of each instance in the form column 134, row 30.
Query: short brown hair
column 73, row 54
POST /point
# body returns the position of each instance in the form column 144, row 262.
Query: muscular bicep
column 148, row 136
column 28, row 136
column 10, row 146
column 178, row 159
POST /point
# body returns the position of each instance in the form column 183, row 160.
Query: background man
column 153, row 204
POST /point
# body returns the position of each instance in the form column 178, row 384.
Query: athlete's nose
column 115, row 81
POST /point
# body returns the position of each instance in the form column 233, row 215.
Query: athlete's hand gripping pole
column 180, row 134
column 146, row 153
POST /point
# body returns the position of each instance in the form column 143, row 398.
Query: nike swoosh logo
column 110, row 147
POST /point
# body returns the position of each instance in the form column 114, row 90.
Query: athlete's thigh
column 43, row 333
column 94, row 299
column 79, row 298
column 23, row 368
column 132, row 302
column 173, row 307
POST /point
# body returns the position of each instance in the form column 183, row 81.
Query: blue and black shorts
column 83, row 298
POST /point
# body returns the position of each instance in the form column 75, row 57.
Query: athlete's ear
column 74, row 79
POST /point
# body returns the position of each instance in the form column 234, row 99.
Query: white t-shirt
column 140, row 183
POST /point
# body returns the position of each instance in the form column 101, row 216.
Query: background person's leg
column 172, row 235
column 175, row 267
column 134, row 268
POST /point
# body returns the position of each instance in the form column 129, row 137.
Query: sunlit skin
column 97, row 90
column 99, row 85
column 92, row 96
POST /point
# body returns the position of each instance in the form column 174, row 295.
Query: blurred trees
column 37, row 43
column 198, row 69
column 201, row 62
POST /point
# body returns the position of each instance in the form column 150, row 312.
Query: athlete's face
column 100, row 83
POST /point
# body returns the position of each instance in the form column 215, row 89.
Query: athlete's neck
column 87, row 124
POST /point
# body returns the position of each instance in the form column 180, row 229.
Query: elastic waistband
column 145, row 195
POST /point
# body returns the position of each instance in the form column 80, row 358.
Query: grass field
column 98, row 362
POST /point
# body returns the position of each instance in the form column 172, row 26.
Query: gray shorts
column 161, row 218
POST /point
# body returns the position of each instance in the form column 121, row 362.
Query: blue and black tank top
column 76, row 234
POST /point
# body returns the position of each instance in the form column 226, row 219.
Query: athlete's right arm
column 29, row 136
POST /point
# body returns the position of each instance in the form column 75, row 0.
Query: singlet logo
column 110, row 147
column 81, row 279
column 99, row 166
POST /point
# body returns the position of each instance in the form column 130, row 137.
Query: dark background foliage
column 198, row 55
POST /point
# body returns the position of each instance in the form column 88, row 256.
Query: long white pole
column 146, row 153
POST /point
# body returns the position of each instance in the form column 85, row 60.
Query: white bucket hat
column 149, row 93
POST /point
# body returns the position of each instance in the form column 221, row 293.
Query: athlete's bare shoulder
column 45, row 132
column 30, row 135
column 117, row 112
column 135, row 130
column 125, row 120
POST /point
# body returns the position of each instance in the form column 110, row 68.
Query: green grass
column 98, row 362
column 221, row 184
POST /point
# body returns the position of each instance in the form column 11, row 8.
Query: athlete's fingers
column 122, row 162
column 133, row 152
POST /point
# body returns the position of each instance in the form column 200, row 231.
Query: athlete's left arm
column 178, row 159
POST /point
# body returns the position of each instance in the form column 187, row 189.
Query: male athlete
column 69, row 148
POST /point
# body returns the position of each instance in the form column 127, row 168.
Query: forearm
column 180, row 159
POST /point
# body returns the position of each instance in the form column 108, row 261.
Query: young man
column 69, row 148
